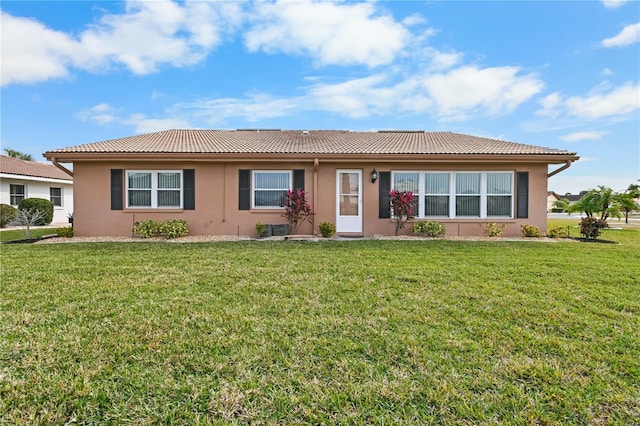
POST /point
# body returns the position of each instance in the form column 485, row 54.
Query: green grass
column 18, row 234
column 382, row 332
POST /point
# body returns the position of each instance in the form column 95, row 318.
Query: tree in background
column 17, row 154
column 561, row 205
column 597, row 201
column 627, row 201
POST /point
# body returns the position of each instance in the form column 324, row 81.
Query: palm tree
column 17, row 154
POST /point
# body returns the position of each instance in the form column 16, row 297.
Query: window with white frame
column 467, row 194
column 408, row 182
column 458, row 194
column 154, row 189
column 17, row 193
column 55, row 196
column 436, row 194
column 499, row 191
column 270, row 187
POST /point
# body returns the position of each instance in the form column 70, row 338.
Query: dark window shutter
column 522, row 197
column 189, row 189
column 116, row 189
column 384, row 186
column 298, row 179
column 244, row 191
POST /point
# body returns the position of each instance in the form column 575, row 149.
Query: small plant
column 558, row 232
column 429, row 229
column 401, row 208
column 492, row 229
column 173, row 228
column 297, row 209
column 530, row 230
column 66, row 232
column 591, row 227
column 7, row 214
column 327, row 229
column 40, row 204
column 146, row 229
column 28, row 218
column 261, row 229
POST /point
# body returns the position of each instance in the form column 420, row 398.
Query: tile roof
column 15, row 166
column 307, row 142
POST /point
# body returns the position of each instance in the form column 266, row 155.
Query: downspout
column 556, row 171
column 61, row 167
column 316, row 162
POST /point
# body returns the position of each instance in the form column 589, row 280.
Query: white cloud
column 500, row 91
column 619, row 101
column 31, row 52
column 607, row 72
column 628, row 36
column 601, row 102
column 332, row 33
column 144, row 124
column 580, row 136
column 100, row 114
column 613, row 4
column 551, row 105
column 470, row 90
column 148, row 34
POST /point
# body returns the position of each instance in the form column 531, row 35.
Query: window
column 55, row 195
column 154, row 189
column 499, row 194
column 408, row 181
column 436, row 189
column 458, row 194
column 16, row 194
column 270, row 188
column 468, row 194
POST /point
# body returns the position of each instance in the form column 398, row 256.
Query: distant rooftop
column 15, row 166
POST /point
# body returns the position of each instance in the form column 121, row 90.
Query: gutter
column 558, row 170
column 61, row 167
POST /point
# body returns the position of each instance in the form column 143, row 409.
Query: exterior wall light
column 374, row 176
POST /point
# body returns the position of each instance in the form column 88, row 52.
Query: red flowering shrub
column 296, row 209
column 401, row 207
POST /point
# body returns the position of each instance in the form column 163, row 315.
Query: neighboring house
column 20, row 179
column 224, row 182
column 552, row 197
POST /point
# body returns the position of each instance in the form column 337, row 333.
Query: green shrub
column 429, row 229
column 492, row 229
column 591, row 227
column 174, row 228
column 7, row 214
column 327, row 229
column 530, row 231
column 261, row 229
column 66, row 232
column 146, row 229
column 558, row 232
column 40, row 204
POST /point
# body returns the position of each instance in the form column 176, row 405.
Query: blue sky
column 558, row 74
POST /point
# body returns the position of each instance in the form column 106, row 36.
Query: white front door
column 349, row 201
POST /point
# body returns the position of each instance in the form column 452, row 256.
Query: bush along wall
column 45, row 207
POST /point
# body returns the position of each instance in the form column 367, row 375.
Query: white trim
column 35, row 178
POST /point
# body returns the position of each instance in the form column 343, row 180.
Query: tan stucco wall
column 217, row 213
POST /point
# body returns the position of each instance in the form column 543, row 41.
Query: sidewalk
column 51, row 225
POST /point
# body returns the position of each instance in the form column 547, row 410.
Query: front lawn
column 382, row 332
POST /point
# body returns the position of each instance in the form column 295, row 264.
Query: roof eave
column 70, row 157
